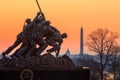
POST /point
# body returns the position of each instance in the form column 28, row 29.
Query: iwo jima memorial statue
column 27, row 63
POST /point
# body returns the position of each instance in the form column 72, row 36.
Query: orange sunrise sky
column 66, row 15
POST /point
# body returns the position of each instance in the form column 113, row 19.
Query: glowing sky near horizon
column 66, row 15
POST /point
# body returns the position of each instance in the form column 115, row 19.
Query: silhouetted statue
column 41, row 30
column 23, row 37
column 35, row 37
column 37, row 32
column 55, row 40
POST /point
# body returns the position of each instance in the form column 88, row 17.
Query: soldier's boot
column 57, row 55
column 3, row 54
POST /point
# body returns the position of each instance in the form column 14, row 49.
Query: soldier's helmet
column 64, row 35
column 28, row 20
column 47, row 23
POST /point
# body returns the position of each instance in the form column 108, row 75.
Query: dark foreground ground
column 45, row 73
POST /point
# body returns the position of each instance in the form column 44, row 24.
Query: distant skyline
column 66, row 15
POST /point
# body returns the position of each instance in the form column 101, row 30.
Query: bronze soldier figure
column 56, row 40
column 23, row 37
column 41, row 31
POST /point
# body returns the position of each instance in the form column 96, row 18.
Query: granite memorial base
column 45, row 74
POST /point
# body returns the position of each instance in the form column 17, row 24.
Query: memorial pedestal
column 45, row 74
column 45, row 67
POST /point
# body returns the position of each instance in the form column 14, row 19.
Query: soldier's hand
column 42, row 14
column 38, row 13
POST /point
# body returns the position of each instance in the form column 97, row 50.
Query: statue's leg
column 24, row 48
column 30, row 51
column 16, row 43
column 42, row 46
column 54, row 48
column 15, row 53
column 57, row 52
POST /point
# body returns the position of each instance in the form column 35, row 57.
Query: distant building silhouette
column 81, row 41
column 68, row 52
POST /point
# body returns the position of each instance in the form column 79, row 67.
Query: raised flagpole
column 38, row 6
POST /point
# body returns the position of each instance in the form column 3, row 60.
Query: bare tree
column 101, row 42
column 116, row 52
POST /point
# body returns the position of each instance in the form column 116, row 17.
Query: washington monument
column 81, row 41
